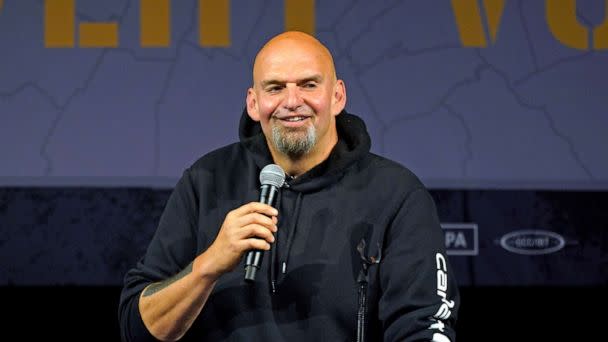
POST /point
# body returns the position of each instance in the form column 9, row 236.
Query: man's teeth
column 295, row 118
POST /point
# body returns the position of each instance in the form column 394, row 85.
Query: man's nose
column 293, row 99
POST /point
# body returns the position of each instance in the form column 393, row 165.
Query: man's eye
column 310, row 85
column 274, row 89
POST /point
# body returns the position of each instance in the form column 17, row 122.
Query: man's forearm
column 169, row 307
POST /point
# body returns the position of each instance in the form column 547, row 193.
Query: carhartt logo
column 532, row 242
column 445, row 310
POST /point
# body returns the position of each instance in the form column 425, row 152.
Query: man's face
column 296, row 97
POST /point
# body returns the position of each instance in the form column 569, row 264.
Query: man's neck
column 298, row 166
column 295, row 166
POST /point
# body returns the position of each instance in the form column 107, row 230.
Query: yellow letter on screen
column 600, row 34
column 98, row 35
column 494, row 11
column 214, row 16
column 59, row 23
column 300, row 16
column 468, row 20
column 561, row 17
column 470, row 24
column 155, row 23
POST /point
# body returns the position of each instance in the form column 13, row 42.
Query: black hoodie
column 359, row 248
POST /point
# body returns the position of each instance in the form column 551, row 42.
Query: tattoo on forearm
column 155, row 287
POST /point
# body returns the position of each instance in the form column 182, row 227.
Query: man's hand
column 168, row 308
column 250, row 226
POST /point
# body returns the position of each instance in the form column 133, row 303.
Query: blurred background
column 499, row 106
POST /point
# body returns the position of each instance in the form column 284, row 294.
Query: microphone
column 272, row 177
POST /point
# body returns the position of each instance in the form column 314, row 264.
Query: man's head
column 295, row 96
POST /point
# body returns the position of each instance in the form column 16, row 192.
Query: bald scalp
column 294, row 40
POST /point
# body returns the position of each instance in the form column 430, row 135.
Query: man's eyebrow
column 315, row 78
column 270, row 82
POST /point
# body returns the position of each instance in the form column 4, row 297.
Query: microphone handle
column 253, row 262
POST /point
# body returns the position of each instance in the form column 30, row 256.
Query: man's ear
column 252, row 105
column 338, row 100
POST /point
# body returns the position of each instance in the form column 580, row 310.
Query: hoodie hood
column 353, row 143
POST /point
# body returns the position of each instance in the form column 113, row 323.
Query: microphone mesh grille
column 272, row 174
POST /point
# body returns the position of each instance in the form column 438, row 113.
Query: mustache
column 285, row 113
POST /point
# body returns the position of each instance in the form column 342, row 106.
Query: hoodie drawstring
column 292, row 232
column 274, row 253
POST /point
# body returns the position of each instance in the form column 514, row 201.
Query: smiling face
column 296, row 97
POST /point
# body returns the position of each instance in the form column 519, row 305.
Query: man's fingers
column 256, row 207
column 253, row 243
column 255, row 231
column 255, row 218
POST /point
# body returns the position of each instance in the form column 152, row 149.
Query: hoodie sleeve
column 172, row 248
column 420, row 297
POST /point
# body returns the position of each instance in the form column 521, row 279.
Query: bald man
column 355, row 246
column 296, row 98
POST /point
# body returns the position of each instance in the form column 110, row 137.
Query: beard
column 294, row 143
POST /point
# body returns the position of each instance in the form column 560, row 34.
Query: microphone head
column 272, row 174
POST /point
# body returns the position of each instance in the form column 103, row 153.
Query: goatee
column 293, row 142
